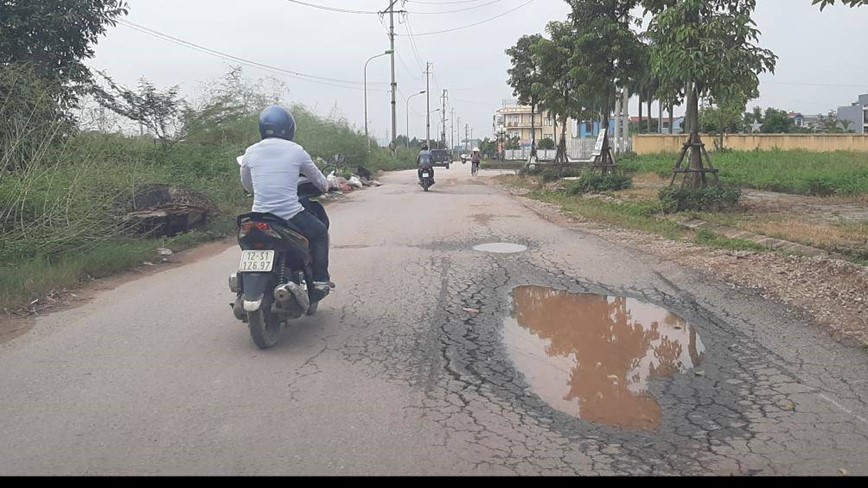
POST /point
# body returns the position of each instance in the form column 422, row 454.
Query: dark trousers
column 318, row 235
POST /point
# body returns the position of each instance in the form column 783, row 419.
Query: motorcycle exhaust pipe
column 292, row 294
column 238, row 309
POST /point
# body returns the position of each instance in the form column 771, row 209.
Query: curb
column 769, row 242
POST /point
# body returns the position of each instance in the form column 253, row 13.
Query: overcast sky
column 823, row 61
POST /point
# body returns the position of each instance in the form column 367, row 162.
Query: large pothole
column 592, row 356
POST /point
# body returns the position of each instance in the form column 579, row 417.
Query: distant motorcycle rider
column 270, row 169
column 425, row 159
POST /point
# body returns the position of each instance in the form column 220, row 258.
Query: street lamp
column 390, row 51
column 407, row 111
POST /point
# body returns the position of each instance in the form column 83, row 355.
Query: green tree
column 607, row 55
column 564, row 94
column 30, row 119
column 646, row 85
column 512, row 142
column 723, row 118
column 488, row 147
column 558, row 87
column 829, row 124
column 776, row 122
column 547, row 143
column 525, row 78
column 54, row 37
column 161, row 112
column 852, row 3
column 754, row 117
column 709, row 47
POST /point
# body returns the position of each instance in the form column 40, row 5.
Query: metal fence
column 577, row 149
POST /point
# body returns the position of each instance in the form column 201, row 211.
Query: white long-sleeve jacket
column 270, row 169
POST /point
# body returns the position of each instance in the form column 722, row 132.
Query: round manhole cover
column 500, row 248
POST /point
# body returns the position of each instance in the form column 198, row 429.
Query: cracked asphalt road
column 405, row 370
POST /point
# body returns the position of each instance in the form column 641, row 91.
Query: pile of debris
column 164, row 211
column 360, row 179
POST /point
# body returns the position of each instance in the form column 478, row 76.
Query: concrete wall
column 654, row 144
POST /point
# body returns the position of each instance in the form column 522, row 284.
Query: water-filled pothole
column 592, row 356
column 500, row 248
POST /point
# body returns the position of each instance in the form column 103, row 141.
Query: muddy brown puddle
column 592, row 356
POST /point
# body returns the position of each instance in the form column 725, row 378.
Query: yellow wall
column 653, row 144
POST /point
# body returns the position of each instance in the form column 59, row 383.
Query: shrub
column 592, row 182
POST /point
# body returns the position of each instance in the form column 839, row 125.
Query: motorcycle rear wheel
column 264, row 325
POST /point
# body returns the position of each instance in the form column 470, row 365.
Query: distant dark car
column 441, row 157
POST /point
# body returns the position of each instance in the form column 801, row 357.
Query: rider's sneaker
column 324, row 286
column 320, row 290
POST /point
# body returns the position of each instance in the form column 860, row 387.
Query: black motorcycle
column 426, row 176
column 274, row 282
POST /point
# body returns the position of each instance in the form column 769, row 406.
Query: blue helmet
column 276, row 121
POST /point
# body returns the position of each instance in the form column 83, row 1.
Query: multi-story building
column 856, row 115
column 515, row 121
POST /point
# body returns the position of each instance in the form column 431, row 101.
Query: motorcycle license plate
column 425, row 175
column 256, row 261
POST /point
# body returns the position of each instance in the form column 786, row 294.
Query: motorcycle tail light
column 247, row 227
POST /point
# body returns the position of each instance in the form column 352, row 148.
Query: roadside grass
column 638, row 208
column 798, row 172
column 639, row 216
column 712, row 239
column 61, row 208
column 29, row 279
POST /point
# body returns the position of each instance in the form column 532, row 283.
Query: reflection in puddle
column 592, row 356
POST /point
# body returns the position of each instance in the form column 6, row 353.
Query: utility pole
column 394, row 81
column 458, row 132
column 443, row 117
column 466, row 137
column 428, row 104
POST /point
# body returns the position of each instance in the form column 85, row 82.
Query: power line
column 419, row 59
column 334, row 9
column 407, row 68
column 213, row 52
column 476, row 23
column 457, row 10
column 443, row 3
column 436, row 81
column 474, row 102
column 410, row 106
column 478, row 88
